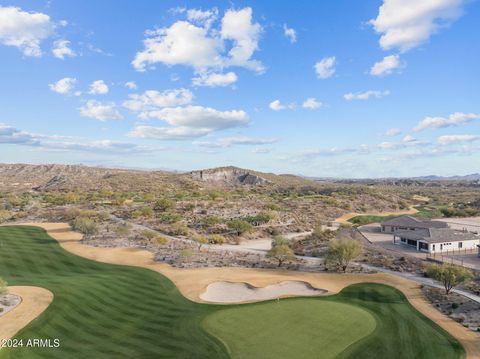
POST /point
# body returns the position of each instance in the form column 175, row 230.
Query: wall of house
column 453, row 246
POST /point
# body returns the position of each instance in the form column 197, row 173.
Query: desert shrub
column 163, row 204
column 148, row 234
column 5, row 215
column 211, row 220
column 179, row 229
column 145, row 212
column 122, row 230
column 3, row 286
column 186, row 253
column 160, row 240
column 216, row 239
column 85, row 225
column 455, row 305
column 169, row 217
column 200, row 241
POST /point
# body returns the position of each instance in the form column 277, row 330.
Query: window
column 460, row 245
column 433, row 247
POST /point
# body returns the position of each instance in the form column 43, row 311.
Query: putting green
column 109, row 311
column 302, row 328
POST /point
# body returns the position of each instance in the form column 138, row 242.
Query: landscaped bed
column 110, row 311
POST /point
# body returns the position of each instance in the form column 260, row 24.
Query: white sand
column 238, row 292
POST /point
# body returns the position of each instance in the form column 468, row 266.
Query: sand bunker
column 234, row 292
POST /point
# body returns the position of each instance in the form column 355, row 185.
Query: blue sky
column 331, row 88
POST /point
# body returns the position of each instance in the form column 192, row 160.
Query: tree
column 239, row 226
column 281, row 253
column 280, row 240
column 3, row 286
column 342, row 251
column 84, row 225
column 450, row 275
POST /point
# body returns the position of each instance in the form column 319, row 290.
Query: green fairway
column 303, row 328
column 108, row 311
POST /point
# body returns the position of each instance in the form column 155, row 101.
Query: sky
column 348, row 89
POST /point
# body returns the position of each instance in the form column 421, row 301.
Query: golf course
column 110, row 311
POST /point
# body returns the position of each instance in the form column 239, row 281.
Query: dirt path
column 34, row 301
column 344, row 219
column 193, row 282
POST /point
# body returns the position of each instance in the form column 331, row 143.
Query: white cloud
column 63, row 86
column 365, row 95
column 405, row 24
column 449, row 139
column 98, row 87
column 290, row 33
column 200, row 117
column 238, row 140
column 276, row 105
column 131, row 85
column 386, row 66
column 215, row 79
column 393, row 132
column 454, row 119
column 12, row 135
column 311, row 103
column 167, row 133
column 24, row 30
column 204, row 18
column 61, row 49
column 100, row 111
column 261, row 150
column 184, row 43
column 152, row 100
column 325, row 68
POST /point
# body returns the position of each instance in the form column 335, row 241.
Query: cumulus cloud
column 237, row 140
column 24, row 30
column 450, row 139
column 261, row 150
column 200, row 117
column 100, row 111
column 215, row 79
column 63, row 86
column 365, row 95
column 393, row 132
column 204, row 18
column 192, row 43
column 276, row 105
column 98, row 87
column 455, row 119
column 61, row 49
column 12, row 135
column 325, row 68
column 386, row 66
column 152, row 100
column 405, row 24
column 131, row 85
column 311, row 103
column 290, row 33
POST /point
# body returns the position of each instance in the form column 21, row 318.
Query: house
column 437, row 240
column 409, row 223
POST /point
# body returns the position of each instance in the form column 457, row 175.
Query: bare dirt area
column 463, row 310
column 34, row 301
column 193, row 282
column 230, row 292
column 344, row 218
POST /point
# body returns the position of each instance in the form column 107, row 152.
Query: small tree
column 84, row 225
column 3, row 286
column 280, row 240
column 200, row 240
column 450, row 275
column 239, row 226
column 342, row 251
column 163, row 204
column 281, row 253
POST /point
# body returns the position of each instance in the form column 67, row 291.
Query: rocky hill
column 230, row 176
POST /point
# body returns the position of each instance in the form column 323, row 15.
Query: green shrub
column 216, row 239
column 3, row 286
column 85, row 225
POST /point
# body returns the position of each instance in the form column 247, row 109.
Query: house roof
column 412, row 222
column 438, row 235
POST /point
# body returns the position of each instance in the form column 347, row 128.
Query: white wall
column 453, row 246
